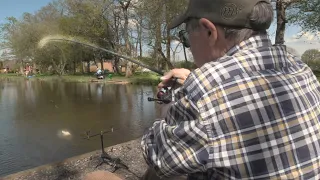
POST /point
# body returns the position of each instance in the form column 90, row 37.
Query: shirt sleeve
column 177, row 145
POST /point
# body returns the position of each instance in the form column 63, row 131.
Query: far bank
column 137, row 78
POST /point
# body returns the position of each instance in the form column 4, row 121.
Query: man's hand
column 180, row 74
column 167, row 81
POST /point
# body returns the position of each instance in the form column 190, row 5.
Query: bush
column 184, row 64
column 145, row 81
column 317, row 73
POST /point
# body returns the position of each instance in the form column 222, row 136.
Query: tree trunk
column 158, row 46
column 21, row 67
column 88, row 67
column 168, row 42
column 140, row 40
column 82, row 67
column 101, row 62
column 137, row 43
column 34, row 67
column 117, row 41
column 74, row 67
column 129, row 70
column 140, row 34
column 116, row 65
column 281, row 22
column 126, row 36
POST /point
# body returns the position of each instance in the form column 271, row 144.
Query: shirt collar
column 252, row 42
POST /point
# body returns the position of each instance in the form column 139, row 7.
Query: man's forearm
column 164, row 146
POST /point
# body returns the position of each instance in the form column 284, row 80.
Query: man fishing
column 251, row 109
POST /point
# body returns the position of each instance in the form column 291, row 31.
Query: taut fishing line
column 60, row 38
column 51, row 38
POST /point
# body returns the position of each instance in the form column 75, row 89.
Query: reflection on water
column 42, row 122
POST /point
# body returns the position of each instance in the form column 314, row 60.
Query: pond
column 43, row 122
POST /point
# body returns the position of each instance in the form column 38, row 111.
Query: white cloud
column 301, row 47
column 308, row 36
column 292, row 40
column 304, row 41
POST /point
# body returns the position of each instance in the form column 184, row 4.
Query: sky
column 307, row 41
column 16, row 8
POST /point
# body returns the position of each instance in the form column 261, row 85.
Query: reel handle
column 166, row 101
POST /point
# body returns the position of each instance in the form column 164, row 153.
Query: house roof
column 9, row 63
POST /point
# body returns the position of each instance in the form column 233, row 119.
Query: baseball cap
column 231, row 13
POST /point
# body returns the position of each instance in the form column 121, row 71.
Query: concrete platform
column 77, row 167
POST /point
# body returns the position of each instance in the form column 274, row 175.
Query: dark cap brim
column 178, row 21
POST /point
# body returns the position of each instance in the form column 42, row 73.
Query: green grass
column 137, row 78
column 148, row 78
column 10, row 76
column 145, row 79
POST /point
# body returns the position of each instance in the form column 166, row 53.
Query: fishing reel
column 164, row 96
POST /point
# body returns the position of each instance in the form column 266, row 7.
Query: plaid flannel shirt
column 252, row 114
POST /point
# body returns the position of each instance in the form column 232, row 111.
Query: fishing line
column 44, row 41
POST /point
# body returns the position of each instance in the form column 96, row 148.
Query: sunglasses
column 183, row 36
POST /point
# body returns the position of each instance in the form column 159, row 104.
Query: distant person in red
column 28, row 70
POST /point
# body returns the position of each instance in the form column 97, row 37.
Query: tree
column 281, row 11
column 157, row 15
column 67, row 17
column 87, row 19
column 125, row 26
column 125, row 4
column 312, row 57
column 22, row 36
column 306, row 14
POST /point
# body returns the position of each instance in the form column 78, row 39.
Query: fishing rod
column 47, row 39
column 165, row 95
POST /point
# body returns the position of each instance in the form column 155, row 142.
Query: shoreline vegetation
column 137, row 79
column 146, row 78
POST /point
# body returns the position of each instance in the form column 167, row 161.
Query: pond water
column 43, row 122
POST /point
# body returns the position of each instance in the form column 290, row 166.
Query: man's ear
column 210, row 28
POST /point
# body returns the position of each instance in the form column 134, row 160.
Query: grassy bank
column 137, row 78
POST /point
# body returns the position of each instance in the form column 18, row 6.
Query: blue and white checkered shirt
column 252, row 114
